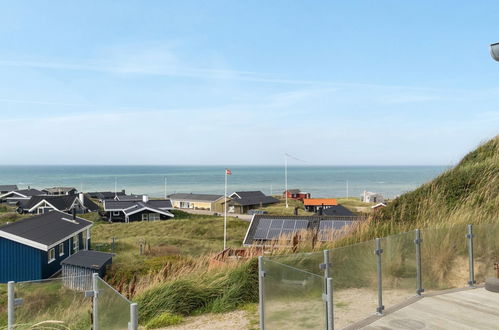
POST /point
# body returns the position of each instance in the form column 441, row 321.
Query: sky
column 243, row 82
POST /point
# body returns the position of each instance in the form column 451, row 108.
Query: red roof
column 319, row 201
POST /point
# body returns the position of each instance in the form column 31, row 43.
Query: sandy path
column 232, row 320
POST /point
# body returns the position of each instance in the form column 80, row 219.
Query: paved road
column 245, row 217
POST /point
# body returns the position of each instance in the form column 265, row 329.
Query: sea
column 320, row 181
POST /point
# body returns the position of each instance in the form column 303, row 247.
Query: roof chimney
column 145, row 198
column 73, row 211
column 81, row 197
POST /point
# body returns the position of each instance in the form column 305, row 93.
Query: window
column 145, row 216
column 51, row 255
column 76, row 245
column 61, row 249
column 153, row 216
column 116, row 213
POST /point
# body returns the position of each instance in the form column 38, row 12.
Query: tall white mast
column 225, row 212
column 286, row 177
column 165, row 186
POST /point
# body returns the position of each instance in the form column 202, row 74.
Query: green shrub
column 164, row 320
column 213, row 292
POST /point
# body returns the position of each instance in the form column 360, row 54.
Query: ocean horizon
column 319, row 180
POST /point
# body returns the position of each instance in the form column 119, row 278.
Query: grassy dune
column 465, row 194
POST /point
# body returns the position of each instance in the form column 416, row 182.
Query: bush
column 212, row 292
column 164, row 320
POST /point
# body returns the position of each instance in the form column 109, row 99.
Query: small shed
column 77, row 269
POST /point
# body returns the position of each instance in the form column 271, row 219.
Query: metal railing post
column 326, row 266
column 95, row 308
column 329, row 303
column 469, row 236
column 134, row 317
column 419, row 279
column 261, row 292
column 10, row 305
column 378, row 252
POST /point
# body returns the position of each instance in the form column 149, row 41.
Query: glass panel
column 53, row 303
column 486, row 251
column 292, row 298
column 398, row 268
column 113, row 308
column 444, row 258
column 309, row 262
column 354, row 282
column 3, row 306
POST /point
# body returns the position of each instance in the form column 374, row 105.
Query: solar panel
column 301, row 224
column 330, row 229
column 269, row 229
column 326, row 224
column 261, row 233
column 337, row 225
column 264, row 223
column 274, row 233
column 276, row 223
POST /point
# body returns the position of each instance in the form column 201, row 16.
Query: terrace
column 430, row 278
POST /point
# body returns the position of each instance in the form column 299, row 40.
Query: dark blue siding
column 49, row 269
column 19, row 262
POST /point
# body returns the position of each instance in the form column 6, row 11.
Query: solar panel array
column 330, row 229
column 273, row 228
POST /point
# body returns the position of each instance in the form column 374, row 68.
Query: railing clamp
column 418, row 240
column 262, row 273
column 18, row 302
column 324, row 297
column 470, row 235
column 378, row 252
column 380, row 309
column 419, row 291
column 324, row 266
column 89, row 294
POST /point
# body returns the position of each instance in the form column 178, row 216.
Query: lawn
column 280, row 208
column 173, row 242
column 354, row 204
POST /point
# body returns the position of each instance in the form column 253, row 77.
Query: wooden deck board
column 470, row 309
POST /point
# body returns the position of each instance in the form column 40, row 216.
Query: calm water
column 320, row 181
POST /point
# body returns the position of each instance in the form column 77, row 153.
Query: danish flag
column 228, row 172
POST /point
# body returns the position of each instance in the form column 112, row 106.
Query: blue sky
column 240, row 82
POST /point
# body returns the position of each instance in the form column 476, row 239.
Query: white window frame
column 61, row 249
column 116, row 213
column 51, row 255
column 154, row 216
column 145, row 216
column 76, row 243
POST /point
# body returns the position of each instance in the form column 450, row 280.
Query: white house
column 371, row 197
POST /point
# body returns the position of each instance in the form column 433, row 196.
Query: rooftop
column 195, row 197
column 88, row 259
column 59, row 189
column 319, row 201
column 45, row 230
column 8, row 187
column 251, row 198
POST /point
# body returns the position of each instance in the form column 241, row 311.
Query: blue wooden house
column 33, row 248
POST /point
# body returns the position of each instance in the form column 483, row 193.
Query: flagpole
column 286, row 177
column 225, row 212
column 165, row 187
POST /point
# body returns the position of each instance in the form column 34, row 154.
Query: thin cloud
column 159, row 71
